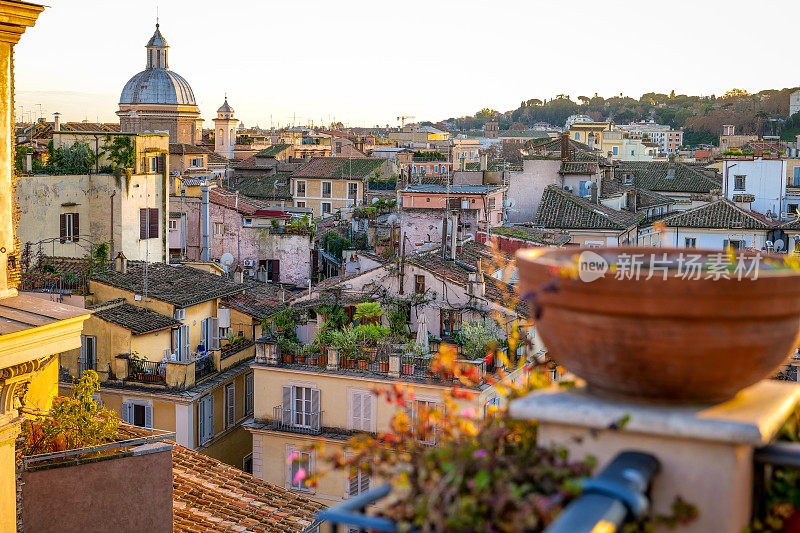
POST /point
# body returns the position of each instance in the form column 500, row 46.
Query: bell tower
column 225, row 130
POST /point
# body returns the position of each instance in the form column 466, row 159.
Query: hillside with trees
column 701, row 117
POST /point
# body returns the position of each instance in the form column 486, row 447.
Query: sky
column 365, row 63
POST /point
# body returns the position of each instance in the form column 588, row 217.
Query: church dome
column 225, row 108
column 157, row 86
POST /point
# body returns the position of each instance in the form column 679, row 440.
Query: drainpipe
column 111, row 241
column 205, row 224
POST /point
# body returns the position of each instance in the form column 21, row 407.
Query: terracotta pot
column 312, row 360
column 322, row 360
column 287, row 358
column 669, row 340
column 363, row 364
column 372, row 353
column 384, row 366
column 408, row 369
column 301, row 359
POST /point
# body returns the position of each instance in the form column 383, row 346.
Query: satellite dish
column 779, row 245
column 226, row 259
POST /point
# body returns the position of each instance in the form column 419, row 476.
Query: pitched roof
column 667, row 176
column 720, row 214
column 531, row 234
column 553, row 146
column 563, row 210
column 227, row 198
column 435, row 188
column 273, row 150
column 260, row 299
column 644, row 197
column 184, row 148
column 134, row 318
column 178, row 285
column 339, row 167
column 267, row 187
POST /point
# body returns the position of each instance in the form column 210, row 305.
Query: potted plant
column 287, row 348
column 624, row 297
column 368, row 312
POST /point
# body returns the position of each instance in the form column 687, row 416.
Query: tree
column 75, row 159
column 121, row 151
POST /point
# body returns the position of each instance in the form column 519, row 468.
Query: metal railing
column 414, row 365
column 288, row 419
column 765, row 460
column 349, row 515
column 203, row 366
column 615, row 495
column 147, row 371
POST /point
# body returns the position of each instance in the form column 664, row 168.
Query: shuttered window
column 301, row 407
column 88, row 357
column 248, row 394
column 299, row 460
column 205, row 418
column 362, row 410
column 357, row 483
column 148, row 223
column 230, row 406
column 69, row 227
column 137, row 413
column 210, row 333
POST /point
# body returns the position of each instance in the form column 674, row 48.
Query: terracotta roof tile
column 663, row 176
column 136, row 319
column 339, row 167
column 563, row 210
column 722, row 214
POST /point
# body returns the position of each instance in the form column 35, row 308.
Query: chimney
column 29, row 163
column 57, row 125
column 564, row 146
column 595, row 193
column 206, row 224
column 484, row 162
column 238, row 275
column 121, row 263
column 453, row 235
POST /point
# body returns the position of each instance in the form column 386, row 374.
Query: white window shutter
column 209, row 417
column 364, row 480
column 201, row 420
column 286, row 405
column 366, row 411
column 125, row 412
column 352, row 489
column 148, row 416
column 248, row 392
column 176, row 342
column 230, row 405
column 185, row 340
column 315, row 409
column 213, row 326
column 167, row 354
column 204, row 333
column 355, row 410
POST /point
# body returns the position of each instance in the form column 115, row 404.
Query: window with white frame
column 205, row 418
column 352, row 191
column 230, row 405
column 300, row 189
column 301, row 407
column 248, row 394
column 326, row 189
column 180, row 340
column 138, row 413
column 219, row 228
column 88, row 357
column 357, row 482
column 301, row 204
column 326, row 207
column 173, row 224
column 196, row 162
column 739, row 183
column 209, row 332
column 615, row 150
column 362, row 407
column 418, row 406
column 299, row 468
column 153, row 164
column 690, row 242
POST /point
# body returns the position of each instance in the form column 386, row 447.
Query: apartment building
column 69, row 215
column 170, row 354
column 329, row 184
column 667, row 139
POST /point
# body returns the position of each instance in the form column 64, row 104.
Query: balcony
column 203, row 366
column 288, row 419
column 147, row 371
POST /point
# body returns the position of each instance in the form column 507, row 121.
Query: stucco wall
column 526, row 187
column 120, row 494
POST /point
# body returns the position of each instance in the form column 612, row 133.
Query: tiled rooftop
column 664, row 176
column 134, row 318
column 260, row 299
column 265, row 187
column 272, row 151
column 563, row 210
column 339, row 167
column 178, row 285
column 721, row 213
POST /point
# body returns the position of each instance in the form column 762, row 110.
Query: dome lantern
column 157, row 51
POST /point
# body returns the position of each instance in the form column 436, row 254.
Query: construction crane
column 403, row 118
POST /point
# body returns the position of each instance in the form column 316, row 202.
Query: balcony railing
column 288, row 419
column 203, row 366
column 147, row 371
column 415, row 365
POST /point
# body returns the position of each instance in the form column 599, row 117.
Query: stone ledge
column 752, row 417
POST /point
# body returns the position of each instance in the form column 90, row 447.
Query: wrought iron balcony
column 288, row 419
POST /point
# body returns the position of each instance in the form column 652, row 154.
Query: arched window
column 232, row 137
column 221, row 133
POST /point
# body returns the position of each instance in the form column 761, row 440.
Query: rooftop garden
column 429, row 156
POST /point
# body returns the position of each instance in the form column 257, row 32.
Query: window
column 138, row 413
column 735, row 244
column 326, row 207
column 274, row 270
column 230, row 405
column 301, row 407
column 205, row 418
column 577, row 136
column 450, row 322
column 352, row 191
column 248, row 222
column 632, row 152
column 300, row 189
column 148, row 223
column 357, row 482
column 88, row 357
column 492, row 203
column 180, row 340
column 153, row 160
column 326, row 189
column 615, row 150
column 362, row 408
column 690, row 242
column 248, row 394
column 792, row 210
column 247, row 463
column 419, row 284
column 173, row 224
column 209, row 333
column 739, row 183
column 301, row 204
column 70, row 227
column 416, row 406
column 196, row 162
column 219, row 228
column 298, row 460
